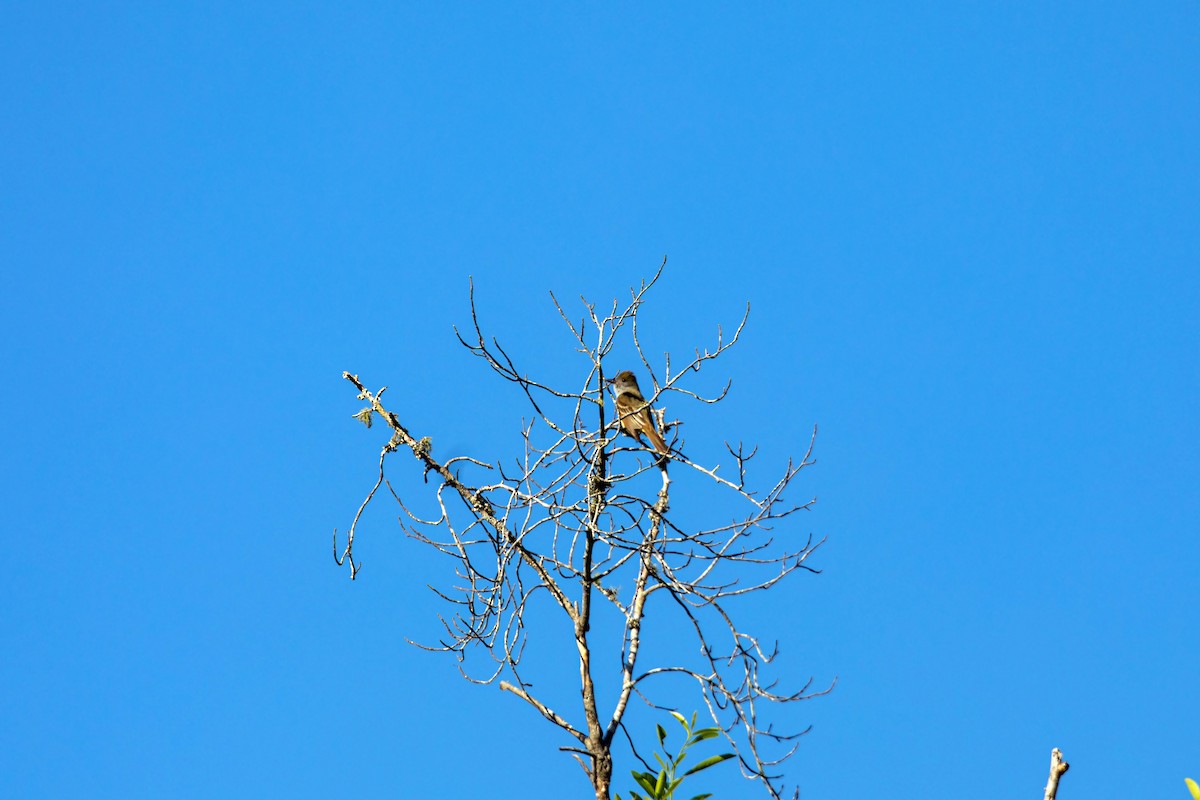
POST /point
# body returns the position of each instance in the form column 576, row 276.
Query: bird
column 633, row 413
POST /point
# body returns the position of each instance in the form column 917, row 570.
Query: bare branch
column 1058, row 768
column 545, row 711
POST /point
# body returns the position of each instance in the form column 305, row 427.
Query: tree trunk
column 602, row 768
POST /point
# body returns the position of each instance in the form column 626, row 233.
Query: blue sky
column 969, row 239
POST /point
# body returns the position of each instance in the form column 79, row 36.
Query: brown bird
column 633, row 412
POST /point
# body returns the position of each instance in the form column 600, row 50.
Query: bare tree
column 563, row 524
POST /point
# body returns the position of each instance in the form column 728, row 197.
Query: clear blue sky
column 970, row 237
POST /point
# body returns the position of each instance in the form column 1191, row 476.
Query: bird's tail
column 660, row 445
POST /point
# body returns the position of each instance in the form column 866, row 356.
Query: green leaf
column 708, row 762
column 704, row 796
column 662, row 733
column 658, row 787
column 1192, row 787
column 645, row 780
column 680, row 717
column 705, row 733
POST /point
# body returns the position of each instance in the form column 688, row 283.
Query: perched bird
column 633, row 413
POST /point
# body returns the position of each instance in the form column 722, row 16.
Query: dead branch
column 1058, row 768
